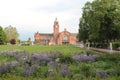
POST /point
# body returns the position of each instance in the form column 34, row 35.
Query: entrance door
column 65, row 39
column 65, row 43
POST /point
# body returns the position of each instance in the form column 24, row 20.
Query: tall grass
column 13, row 77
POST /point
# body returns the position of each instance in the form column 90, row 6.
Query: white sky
column 30, row 16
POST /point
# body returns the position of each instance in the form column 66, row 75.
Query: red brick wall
column 71, row 38
column 37, row 36
column 57, row 37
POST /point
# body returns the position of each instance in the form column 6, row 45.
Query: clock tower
column 56, row 28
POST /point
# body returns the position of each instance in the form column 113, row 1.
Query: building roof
column 74, row 34
column 46, row 34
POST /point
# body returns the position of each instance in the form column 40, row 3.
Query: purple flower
column 3, row 69
column 25, row 73
column 17, row 56
column 26, row 66
column 29, row 70
column 43, row 57
column 102, row 74
column 55, row 54
column 51, row 63
column 36, row 57
column 77, row 57
column 64, row 71
column 84, row 57
column 9, row 66
column 11, row 52
column 40, row 59
column 33, row 68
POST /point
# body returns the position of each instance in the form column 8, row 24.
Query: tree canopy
column 11, row 33
column 100, row 21
column 2, row 36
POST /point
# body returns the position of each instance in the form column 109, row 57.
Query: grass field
column 57, row 63
column 43, row 48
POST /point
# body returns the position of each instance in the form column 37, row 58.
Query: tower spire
column 56, row 19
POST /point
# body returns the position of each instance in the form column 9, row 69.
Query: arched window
column 65, row 38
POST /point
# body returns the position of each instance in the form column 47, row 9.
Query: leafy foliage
column 11, row 33
column 100, row 21
column 116, row 45
column 2, row 36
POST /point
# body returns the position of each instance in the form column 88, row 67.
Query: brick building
column 56, row 38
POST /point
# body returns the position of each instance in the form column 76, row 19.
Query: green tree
column 11, row 33
column 83, row 30
column 2, row 36
column 101, row 20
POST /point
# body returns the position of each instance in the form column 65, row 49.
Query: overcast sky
column 30, row 16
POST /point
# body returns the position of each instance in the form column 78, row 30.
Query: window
column 65, row 38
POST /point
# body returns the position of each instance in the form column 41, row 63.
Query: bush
column 67, row 59
column 12, row 41
column 116, row 45
column 100, row 45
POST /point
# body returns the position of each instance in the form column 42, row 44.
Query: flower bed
column 47, row 65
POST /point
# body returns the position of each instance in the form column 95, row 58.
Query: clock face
column 56, row 26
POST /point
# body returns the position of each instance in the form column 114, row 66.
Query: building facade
column 56, row 38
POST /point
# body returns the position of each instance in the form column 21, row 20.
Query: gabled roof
column 46, row 34
column 74, row 34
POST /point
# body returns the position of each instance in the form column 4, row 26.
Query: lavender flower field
column 57, row 64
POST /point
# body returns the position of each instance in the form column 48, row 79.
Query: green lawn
column 43, row 48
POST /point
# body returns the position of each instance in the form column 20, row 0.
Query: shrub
column 67, row 59
column 100, row 45
column 115, row 45
column 12, row 41
column 87, row 70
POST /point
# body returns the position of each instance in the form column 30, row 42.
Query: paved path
column 105, row 50
column 99, row 49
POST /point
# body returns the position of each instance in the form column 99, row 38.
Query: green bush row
column 99, row 45
column 115, row 45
